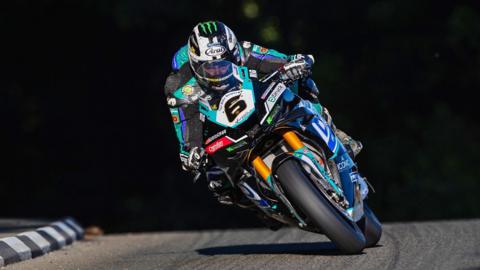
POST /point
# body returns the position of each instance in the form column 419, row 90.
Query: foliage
column 87, row 132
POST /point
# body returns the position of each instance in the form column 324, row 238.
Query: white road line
column 36, row 238
column 66, row 229
column 16, row 244
column 58, row 237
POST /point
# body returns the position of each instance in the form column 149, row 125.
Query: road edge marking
column 30, row 244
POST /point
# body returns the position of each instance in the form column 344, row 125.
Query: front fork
column 266, row 174
column 263, row 170
column 347, row 169
column 295, row 143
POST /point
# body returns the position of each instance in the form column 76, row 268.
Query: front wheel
column 302, row 193
column 371, row 227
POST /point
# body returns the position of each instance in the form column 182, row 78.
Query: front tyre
column 370, row 226
column 302, row 193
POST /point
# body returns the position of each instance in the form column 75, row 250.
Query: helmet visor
column 217, row 75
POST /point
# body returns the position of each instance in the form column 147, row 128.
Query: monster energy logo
column 208, row 26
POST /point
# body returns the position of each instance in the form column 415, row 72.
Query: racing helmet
column 210, row 41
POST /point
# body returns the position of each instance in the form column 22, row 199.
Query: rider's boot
column 219, row 185
column 223, row 189
column 353, row 146
column 220, row 192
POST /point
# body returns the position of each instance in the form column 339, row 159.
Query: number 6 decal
column 234, row 107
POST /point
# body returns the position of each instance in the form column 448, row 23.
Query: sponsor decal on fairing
column 272, row 99
column 216, row 136
column 326, row 134
column 217, row 145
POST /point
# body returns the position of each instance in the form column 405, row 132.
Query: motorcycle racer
column 213, row 40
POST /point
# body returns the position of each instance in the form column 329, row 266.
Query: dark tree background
column 85, row 130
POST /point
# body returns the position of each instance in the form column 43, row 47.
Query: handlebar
column 309, row 60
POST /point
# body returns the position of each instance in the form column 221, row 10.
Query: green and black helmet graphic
column 208, row 28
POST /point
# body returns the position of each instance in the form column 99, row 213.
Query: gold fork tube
column 293, row 140
column 261, row 168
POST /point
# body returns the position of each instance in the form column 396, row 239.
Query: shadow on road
column 320, row 248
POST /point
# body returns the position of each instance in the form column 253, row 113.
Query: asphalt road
column 425, row 245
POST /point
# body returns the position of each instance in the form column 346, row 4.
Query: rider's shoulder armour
column 180, row 58
column 257, row 51
column 187, row 94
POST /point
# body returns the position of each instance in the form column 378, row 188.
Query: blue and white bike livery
column 281, row 153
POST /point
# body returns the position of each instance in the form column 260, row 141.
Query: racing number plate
column 235, row 107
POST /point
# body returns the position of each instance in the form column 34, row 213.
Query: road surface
column 423, row 245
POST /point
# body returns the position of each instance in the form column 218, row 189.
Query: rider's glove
column 300, row 67
column 195, row 160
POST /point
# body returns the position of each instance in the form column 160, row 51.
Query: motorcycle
column 285, row 158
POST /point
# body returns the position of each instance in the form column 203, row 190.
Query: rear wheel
column 303, row 194
column 371, row 227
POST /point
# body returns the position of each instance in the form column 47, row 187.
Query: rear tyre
column 299, row 189
column 371, row 227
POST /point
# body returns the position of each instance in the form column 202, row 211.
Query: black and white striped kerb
column 35, row 243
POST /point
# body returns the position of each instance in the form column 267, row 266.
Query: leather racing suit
column 182, row 91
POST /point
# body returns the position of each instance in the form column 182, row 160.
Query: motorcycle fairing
column 260, row 102
column 347, row 168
